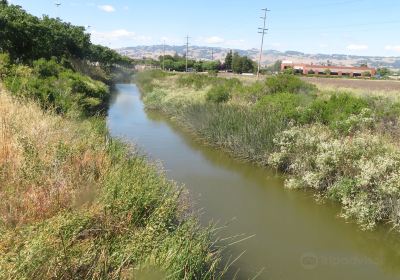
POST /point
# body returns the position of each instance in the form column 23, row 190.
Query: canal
column 290, row 236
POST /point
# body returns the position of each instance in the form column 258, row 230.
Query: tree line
column 233, row 62
column 27, row 38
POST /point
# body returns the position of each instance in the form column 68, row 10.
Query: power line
column 262, row 31
column 312, row 28
column 313, row 7
column 58, row 5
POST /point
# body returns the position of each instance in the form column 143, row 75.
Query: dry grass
column 361, row 88
column 40, row 174
column 75, row 204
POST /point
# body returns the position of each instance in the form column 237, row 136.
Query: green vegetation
column 274, row 68
column 218, row 94
column 55, row 87
column 242, row 64
column 341, row 146
column 75, row 204
column 27, row 38
column 178, row 63
column 233, row 62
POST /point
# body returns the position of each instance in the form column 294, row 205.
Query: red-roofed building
column 332, row 70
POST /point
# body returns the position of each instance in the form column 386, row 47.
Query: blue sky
column 361, row 27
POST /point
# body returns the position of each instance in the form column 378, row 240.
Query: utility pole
column 163, row 60
column 212, row 54
column 187, row 51
column 58, row 4
column 262, row 31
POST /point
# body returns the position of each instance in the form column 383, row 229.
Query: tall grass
column 75, row 204
column 342, row 146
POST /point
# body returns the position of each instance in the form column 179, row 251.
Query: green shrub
column 46, row 68
column 361, row 172
column 56, row 87
column 288, row 83
column 218, row 94
column 4, row 64
column 336, row 110
column 289, row 107
column 146, row 79
column 197, row 81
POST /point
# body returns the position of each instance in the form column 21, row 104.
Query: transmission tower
column 262, row 30
column 187, row 51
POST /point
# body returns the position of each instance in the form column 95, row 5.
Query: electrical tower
column 262, row 31
column 187, row 51
column 163, row 60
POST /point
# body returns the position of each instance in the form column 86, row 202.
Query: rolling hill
column 269, row 57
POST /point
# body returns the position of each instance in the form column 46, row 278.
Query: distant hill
column 269, row 57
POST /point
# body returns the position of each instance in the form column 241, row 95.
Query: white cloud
column 114, row 35
column 119, row 38
column 214, row 40
column 107, row 8
column 240, row 43
column 393, row 48
column 354, row 47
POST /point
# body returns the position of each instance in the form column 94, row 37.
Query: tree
column 228, row 61
column 242, row 64
column 236, row 63
column 28, row 38
column 248, row 65
column 383, row 72
column 366, row 74
column 211, row 65
column 277, row 66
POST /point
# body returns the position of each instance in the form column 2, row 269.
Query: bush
column 286, row 105
column 146, row 79
column 56, row 87
column 288, row 83
column 4, row 64
column 46, row 68
column 218, row 94
column 336, row 111
column 197, row 81
column 361, row 172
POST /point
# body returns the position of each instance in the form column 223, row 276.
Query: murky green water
column 294, row 237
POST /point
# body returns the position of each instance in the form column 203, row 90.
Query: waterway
column 291, row 235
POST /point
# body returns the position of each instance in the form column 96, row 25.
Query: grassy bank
column 77, row 205
column 342, row 146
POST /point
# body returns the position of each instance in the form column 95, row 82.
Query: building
column 331, row 70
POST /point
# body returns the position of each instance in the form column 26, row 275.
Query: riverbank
column 76, row 204
column 340, row 146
